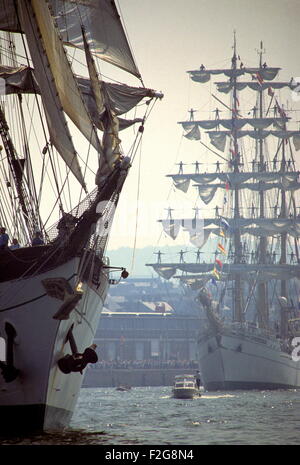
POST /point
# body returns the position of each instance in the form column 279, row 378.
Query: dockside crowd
column 145, row 364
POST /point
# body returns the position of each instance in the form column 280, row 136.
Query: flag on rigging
column 219, row 262
column 216, row 273
column 259, row 78
column 224, row 224
column 221, row 248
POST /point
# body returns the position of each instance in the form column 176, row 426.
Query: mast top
column 234, row 49
column 260, row 52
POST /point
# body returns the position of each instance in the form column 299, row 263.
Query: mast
column 24, row 203
column 17, row 167
column 237, row 289
column 262, row 291
column 259, row 266
column 283, row 243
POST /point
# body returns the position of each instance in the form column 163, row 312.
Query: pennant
column 221, row 248
column 227, row 186
column 260, row 79
column 216, row 273
column 224, row 224
column 219, row 263
column 222, row 233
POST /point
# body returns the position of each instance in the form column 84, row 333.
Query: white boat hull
column 237, row 362
column 42, row 397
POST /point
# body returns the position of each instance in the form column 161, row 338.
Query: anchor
column 8, row 370
column 77, row 361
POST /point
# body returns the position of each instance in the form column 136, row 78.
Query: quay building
column 147, row 334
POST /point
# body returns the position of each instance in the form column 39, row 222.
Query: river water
column 150, row 416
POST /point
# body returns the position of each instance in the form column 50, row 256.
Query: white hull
column 235, row 361
column 42, row 397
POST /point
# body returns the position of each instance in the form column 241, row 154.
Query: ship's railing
column 244, row 330
column 250, row 330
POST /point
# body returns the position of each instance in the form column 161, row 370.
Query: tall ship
column 62, row 172
column 246, row 270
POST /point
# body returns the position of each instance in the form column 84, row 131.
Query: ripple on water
column 151, row 416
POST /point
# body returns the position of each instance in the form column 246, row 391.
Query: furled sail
column 204, row 75
column 182, row 181
column 200, row 229
column 207, row 193
column 193, row 132
column 226, row 87
column 122, row 98
column 171, row 227
column 230, row 124
column 260, row 134
column 166, row 272
column 218, row 138
column 262, row 272
column 18, row 80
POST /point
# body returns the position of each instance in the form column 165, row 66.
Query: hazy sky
column 168, row 38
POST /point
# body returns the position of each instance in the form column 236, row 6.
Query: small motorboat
column 185, row 387
column 123, row 387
